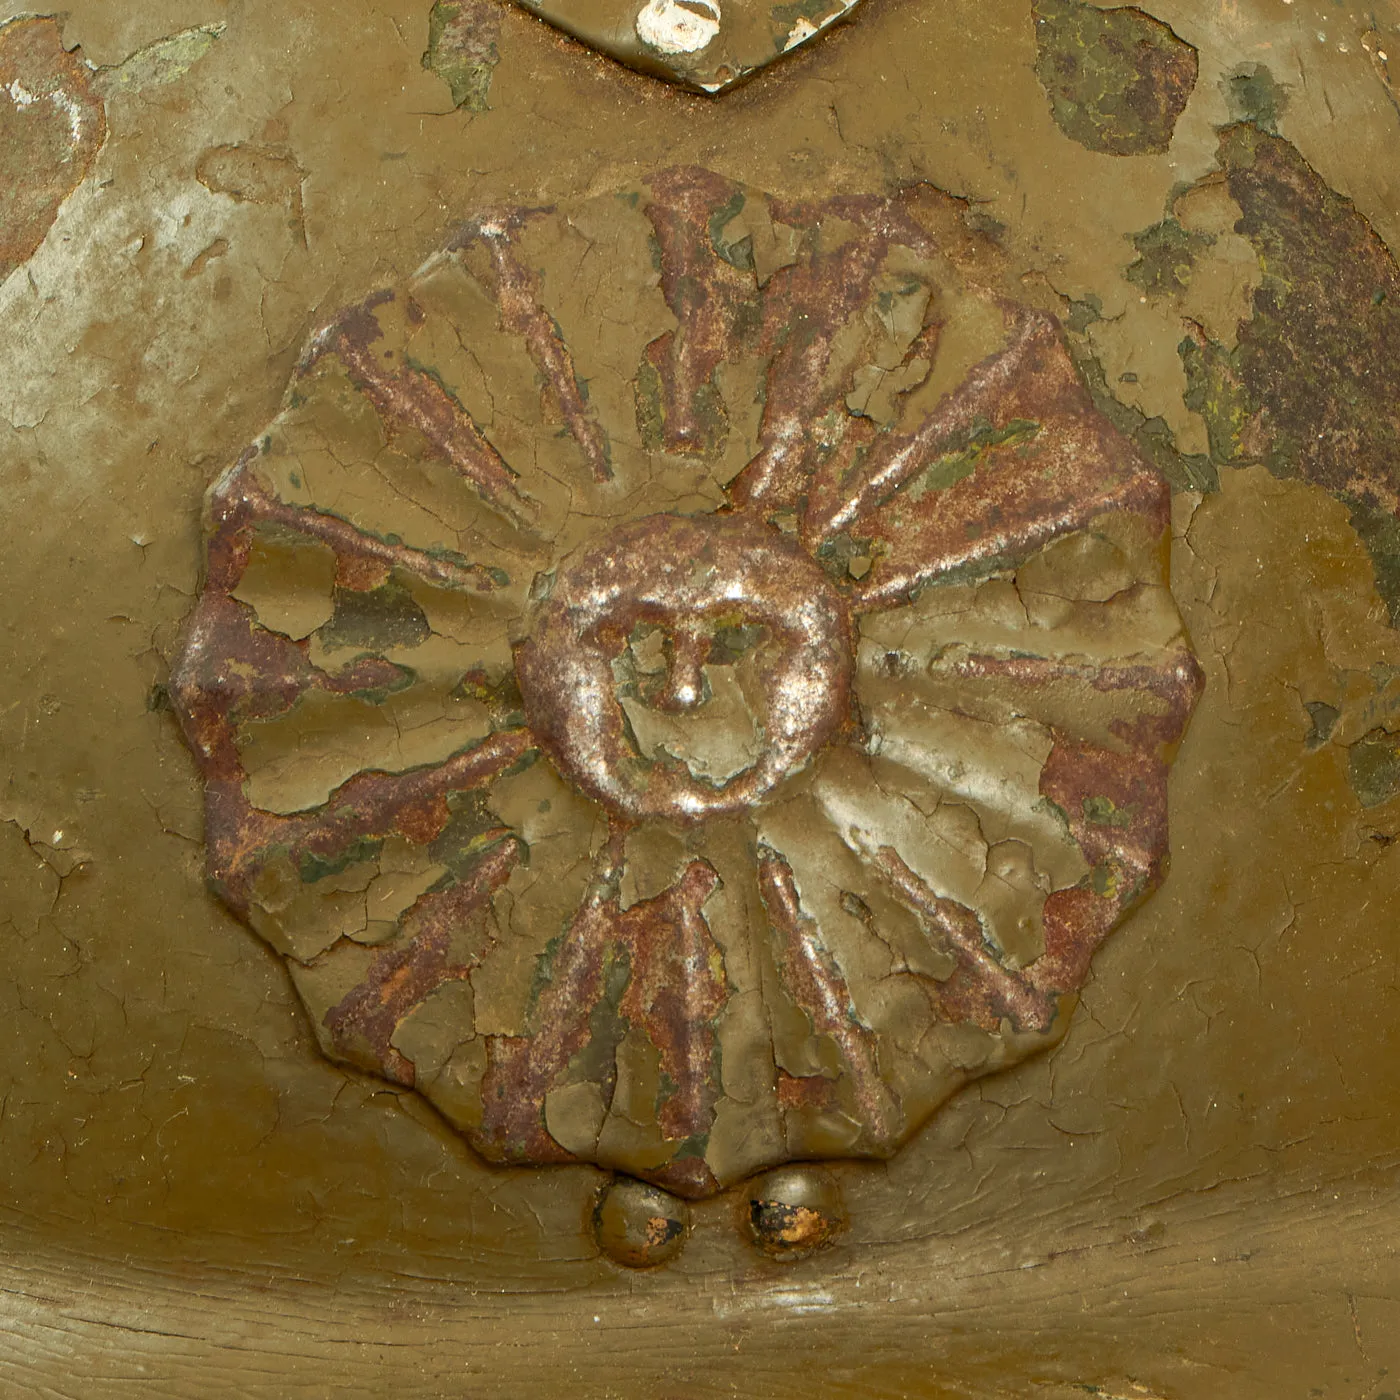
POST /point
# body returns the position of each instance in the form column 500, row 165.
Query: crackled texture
column 1191, row 1195
column 704, row 45
column 704, row 744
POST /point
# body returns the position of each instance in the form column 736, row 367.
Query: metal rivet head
column 638, row 1225
column 794, row 1211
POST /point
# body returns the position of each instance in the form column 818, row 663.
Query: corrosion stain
column 462, row 51
column 1309, row 388
column 52, row 125
column 774, row 696
column 1117, row 79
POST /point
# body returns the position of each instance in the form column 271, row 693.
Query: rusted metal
column 688, row 577
column 517, row 294
column 52, row 125
column 966, row 572
column 404, row 394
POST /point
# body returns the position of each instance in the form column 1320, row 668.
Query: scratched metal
column 689, row 680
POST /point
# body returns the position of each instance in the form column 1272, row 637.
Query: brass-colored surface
column 1192, row 1195
column 638, row 1225
column 693, row 840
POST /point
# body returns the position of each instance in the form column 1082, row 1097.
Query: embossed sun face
column 687, row 681
column 672, row 594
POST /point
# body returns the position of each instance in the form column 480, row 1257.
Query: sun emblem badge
column 688, row 680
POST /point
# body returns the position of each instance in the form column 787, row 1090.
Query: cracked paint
column 1117, row 79
column 953, row 742
column 1188, row 1195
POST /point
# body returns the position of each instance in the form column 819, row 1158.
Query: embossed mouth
column 684, row 666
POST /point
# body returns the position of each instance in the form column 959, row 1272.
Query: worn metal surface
column 1193, row 1194
column 841, row 669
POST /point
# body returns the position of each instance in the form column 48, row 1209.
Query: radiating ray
column 1028, row 457
column 674, row 992
column 815, row 984
column 709, row 297
column 362, row 1025
column 958, row 927
column 516, row 289
column 406, row 394
column 1063, row 695
column 807, row 307
column 239, row 498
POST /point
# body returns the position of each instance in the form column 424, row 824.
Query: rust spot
column 52, row 125
column 712, row 885
column 815, row 984
column 517, row 295
column 674, row 993
column 406, row 394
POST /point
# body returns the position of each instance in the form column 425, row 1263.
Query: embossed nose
column 686, row 649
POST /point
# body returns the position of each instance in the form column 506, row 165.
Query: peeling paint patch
column 1254, row 95
column 1167, row 253
column 165, row 61
column 1311, row 387
column 52, row 125
column 1373, row 765
column 462, row 37
column 1117, row 79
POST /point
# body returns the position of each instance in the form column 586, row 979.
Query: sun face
column 716, row 620
column 688, row 681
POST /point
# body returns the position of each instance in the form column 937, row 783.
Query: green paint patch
column 737, row 252
column 462, row 50
column 1117, row 79
column 312, row 867
column 471, row 830
column 1379, row 530
column 1374, row 768
column 1167, row 255
column 1311, row 387
column 1253, row 95
column 501, row 696
column 1324, row 719
column 961, row 461
column 377, row 620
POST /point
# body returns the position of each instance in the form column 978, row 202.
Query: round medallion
column 688, row 681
